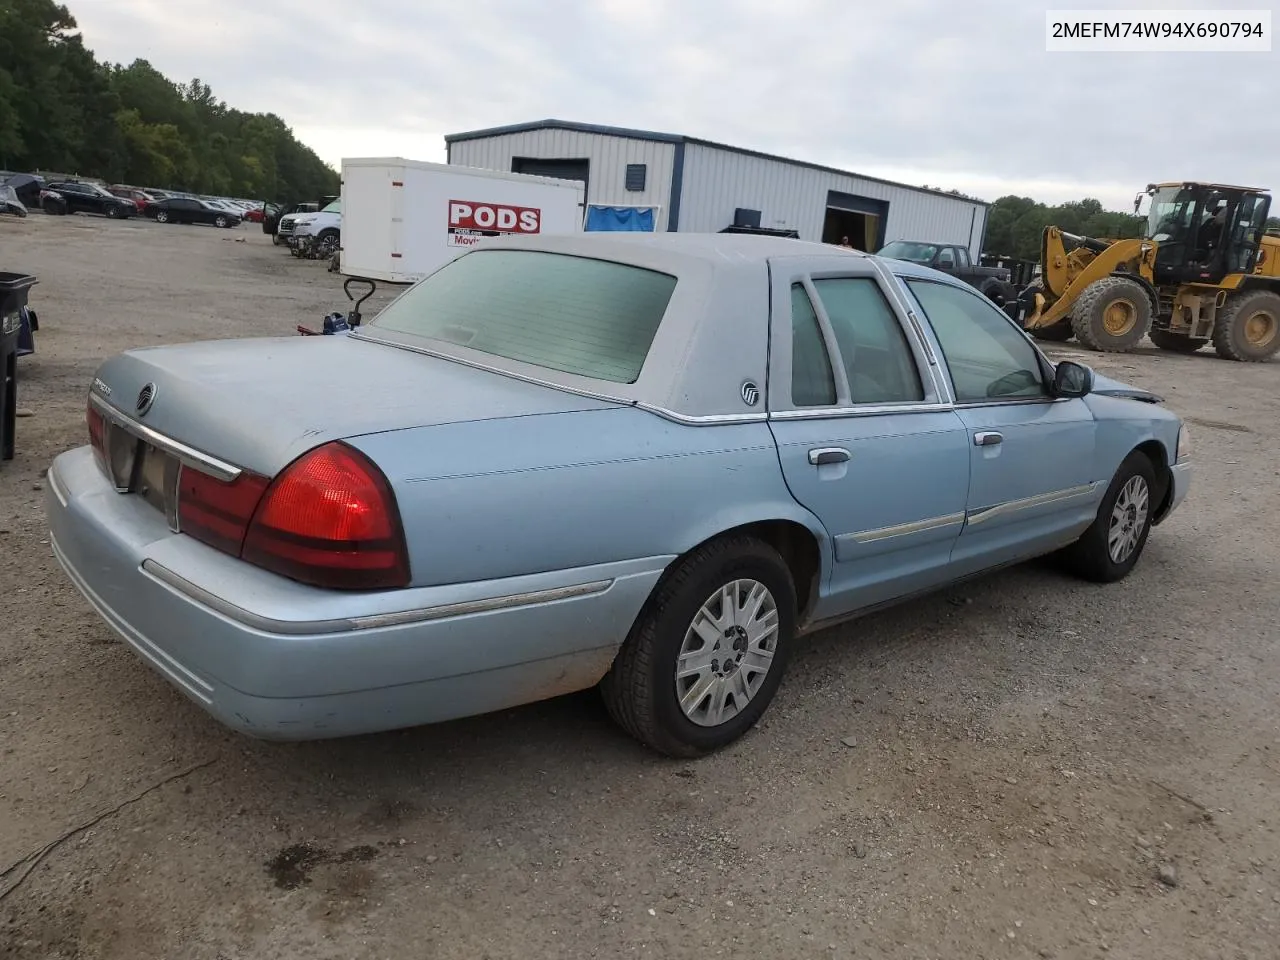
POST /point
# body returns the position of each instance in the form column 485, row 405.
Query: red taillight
column 216, row 512
column 97, row 434
column 330, row 519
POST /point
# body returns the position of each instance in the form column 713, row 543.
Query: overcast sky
column 953, row 94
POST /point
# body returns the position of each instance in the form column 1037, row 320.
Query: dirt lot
column 1002, row 771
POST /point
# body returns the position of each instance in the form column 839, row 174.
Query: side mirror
column 1071, row 379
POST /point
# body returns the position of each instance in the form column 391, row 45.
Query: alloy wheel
column 727, row 652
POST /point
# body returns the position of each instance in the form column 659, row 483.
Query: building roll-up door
column 559, row 169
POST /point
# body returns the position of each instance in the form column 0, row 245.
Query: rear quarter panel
column 512, row 496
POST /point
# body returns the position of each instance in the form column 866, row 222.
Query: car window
column 872, row 345
column 988, row 357
column 587, row 317
column 962, row 257
column 946, row 259
column 813, row 382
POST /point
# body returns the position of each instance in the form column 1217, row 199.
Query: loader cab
column 1204, row 231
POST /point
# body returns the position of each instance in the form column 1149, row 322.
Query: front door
column 1032, row 484
column 865, row 437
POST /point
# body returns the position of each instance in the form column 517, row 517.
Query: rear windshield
column 591, row 318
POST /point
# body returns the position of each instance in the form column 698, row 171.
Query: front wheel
column 707, row 654
column 1112, row 315
column 1110, row 548
column 220, row 221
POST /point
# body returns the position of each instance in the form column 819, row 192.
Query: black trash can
column 13, row 297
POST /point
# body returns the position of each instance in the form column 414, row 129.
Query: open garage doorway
column 861, row 219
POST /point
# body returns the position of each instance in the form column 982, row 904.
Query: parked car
column 26, row 185
column 191, row 210
column 75, row 196
column 9, row 202
column 642, row 461
column 141, row 198
column 274, row 214
column 323, row 225
column 994, row 282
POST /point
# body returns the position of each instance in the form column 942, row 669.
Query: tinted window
column 872, row 346
column 988, row 357
column 586, row 317
column 946, row 259
column 813, row 383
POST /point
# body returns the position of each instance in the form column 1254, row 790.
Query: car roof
column 715, row 331
column 709, row 247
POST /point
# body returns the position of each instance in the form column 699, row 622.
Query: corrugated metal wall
column 716, row 182
column 609, row 157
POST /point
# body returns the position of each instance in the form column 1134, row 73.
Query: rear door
column 866, row 438
column 1032, row 485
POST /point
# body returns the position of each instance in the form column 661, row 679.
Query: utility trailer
column 403, row 219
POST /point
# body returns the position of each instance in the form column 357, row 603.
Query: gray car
column 644, row 462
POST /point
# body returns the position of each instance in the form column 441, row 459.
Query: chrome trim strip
column 706, row 420
column 1014, row 401
column 55, row 485
column 902, row 529
column 374, row 621
column 1043, row 499
column 189, row 456
column 863, row 410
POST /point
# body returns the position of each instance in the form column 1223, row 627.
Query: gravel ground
column 1022, row 767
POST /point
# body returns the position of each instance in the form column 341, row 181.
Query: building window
column 635, row 177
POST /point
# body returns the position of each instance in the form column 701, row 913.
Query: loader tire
column 1248, row 328
column 1054, row 333
column 1176, row 342
column 1112, row 315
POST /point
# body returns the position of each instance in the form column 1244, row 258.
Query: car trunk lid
column 258, row 404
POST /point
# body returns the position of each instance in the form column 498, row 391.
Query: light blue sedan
column 643, row 462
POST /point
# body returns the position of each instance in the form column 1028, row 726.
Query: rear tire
column 162, row 216
column 1110, row 548
column 725, row 616
column 1248, row 328
column 1112, row 315
column 1054, row 333
column 994, row 291
column 1176, row 342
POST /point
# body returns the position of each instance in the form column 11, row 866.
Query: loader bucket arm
column 1065, row 274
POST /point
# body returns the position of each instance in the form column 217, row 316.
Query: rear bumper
column 278, row 660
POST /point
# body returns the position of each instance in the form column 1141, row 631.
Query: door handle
column 988, row 438
column 824, row 455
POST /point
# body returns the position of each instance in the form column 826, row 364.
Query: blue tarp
column 631, row 219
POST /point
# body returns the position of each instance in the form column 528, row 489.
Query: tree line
column 61, row 110
column 1015, row 225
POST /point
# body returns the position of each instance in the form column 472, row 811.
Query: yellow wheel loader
column 1204, row 271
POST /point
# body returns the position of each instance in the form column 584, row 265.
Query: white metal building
column 694, row 185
